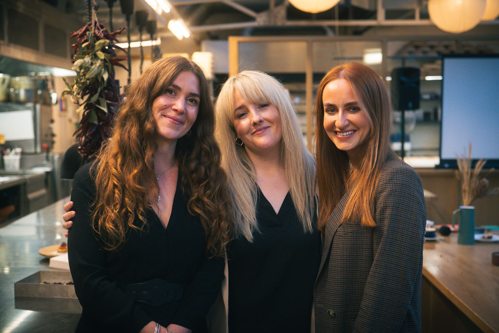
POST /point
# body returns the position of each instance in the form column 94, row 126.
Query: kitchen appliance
column 4, row 85
column 23, row 89
column 27, row 126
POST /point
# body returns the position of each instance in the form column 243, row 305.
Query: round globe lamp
column 456, row 16
column 491, row 10
column 314, row 6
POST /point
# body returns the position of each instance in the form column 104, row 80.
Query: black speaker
column 405, row 88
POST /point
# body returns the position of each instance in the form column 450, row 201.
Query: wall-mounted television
column 470, row 109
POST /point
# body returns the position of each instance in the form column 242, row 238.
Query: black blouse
column 271, row 280
column 175, row 254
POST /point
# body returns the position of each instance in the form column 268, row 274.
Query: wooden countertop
column 466, row 276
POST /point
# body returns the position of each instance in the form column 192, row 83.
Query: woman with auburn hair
column 273, row 261
column 372, row 211
column 153, row 215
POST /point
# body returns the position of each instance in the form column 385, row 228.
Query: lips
column 260, row 130
column 175, row 120
column 344, row 133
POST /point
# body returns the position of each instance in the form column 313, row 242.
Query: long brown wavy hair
column 333, row 166
column 124, row 175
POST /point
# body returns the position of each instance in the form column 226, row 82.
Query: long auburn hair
column 334, row 174
column 125, row 177
column 257, row 87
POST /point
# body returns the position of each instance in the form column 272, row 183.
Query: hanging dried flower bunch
column 472, row 186
column 95, row 89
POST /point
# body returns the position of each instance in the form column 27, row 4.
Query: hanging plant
column 95, row 89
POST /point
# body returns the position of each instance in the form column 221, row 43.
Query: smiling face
column 257, row 125
column 176, row 110
column 346, row 124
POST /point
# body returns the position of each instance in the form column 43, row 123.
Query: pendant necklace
column 159, row 176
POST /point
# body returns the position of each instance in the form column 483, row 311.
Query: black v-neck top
column 175, row 254
column 271, row 280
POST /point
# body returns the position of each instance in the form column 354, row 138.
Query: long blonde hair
column 257, row 87
column 333, row 167
column 124, row 175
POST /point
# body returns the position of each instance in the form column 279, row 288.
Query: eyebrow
column 190, row 94
column 355, row 103
column 240, row 107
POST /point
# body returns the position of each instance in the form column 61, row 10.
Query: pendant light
column 314, row 6
column 127, row 10
column 491, row 10
column 110, row 4
column 141, row 21
column 456, row 16
column 151, row 27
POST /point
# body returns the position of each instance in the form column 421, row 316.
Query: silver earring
column 189, row 134
column 239, row 142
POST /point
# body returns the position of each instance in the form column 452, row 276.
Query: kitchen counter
column 19, row 258
column 460, row 279
column 7, row 181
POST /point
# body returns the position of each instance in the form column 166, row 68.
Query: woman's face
column 345, row 122
column 177, row 109
column 257, row 125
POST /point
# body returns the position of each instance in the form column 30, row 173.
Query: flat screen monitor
column 470, row 109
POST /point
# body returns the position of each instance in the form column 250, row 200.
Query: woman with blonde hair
column 152, row 213
column 372, row 211
column 273, row 262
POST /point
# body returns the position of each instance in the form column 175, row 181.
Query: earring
column 189, row 134
column 239, row 142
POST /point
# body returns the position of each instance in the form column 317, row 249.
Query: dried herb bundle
column 472, row 187
column 95, row 89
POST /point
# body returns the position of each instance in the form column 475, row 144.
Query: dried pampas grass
column 472, row 186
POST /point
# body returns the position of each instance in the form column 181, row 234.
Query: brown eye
column 193, row 101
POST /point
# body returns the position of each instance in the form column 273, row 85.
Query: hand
column 149, row 328
column 68, row 216
column 179, row 329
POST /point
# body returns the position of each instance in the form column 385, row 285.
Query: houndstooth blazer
column 369, row 279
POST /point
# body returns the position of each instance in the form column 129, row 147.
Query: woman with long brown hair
column 152, row 212
column 372, row 211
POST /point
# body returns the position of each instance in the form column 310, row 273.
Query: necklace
column 159, row 176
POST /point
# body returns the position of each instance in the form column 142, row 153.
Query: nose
column 341, row 121
column 179, row 105
column 256, row 117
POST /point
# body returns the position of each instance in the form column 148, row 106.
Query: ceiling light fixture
column 314, row 6
column 144, row 43
column 159, row 6
column 179, row 29
column 456, row 16
column 372, row 56
column 491, row 10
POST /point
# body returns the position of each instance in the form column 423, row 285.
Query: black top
column 271, row 280
column 175, row 254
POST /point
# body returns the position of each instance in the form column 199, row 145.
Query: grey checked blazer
column 370, row 278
